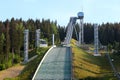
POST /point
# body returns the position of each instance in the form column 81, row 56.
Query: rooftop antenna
column 81, row 25
column 82, row 5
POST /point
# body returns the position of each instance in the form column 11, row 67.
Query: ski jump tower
column 81, row 28
column 70, row 27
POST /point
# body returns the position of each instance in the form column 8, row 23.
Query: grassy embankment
column 30, row 68
column 88, row 67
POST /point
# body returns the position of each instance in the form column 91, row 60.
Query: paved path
column 56, row 66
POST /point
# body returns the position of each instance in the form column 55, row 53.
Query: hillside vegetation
column 88, row 67
column 12, row 38
column 30, row 67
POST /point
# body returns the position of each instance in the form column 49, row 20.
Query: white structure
column 96, row 40
column 43, row 43
column 53, row 39
column 81, row 28
column 26, row 45
column 37, row 37
column 70, row 26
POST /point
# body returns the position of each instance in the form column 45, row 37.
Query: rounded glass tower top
column 80, row 15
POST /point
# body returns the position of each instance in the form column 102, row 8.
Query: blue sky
column 95, row 11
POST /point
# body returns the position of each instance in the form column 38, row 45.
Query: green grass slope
column 88, row 67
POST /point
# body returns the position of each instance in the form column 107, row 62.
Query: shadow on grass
column 100, row 61
column 99, row 78
column 86, row 70
column 97, row 65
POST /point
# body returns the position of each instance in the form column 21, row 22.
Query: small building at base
column 43, row 43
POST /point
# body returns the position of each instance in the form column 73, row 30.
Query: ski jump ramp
column 55, row 65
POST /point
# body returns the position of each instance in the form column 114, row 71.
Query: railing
column 113, row 67
column 72, row 75
column 42, row 62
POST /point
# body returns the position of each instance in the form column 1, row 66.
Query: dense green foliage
column 108, row 33
column 62, row 33
column 11, row 38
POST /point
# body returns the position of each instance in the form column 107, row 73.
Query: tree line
column 11, row 38
column 109, row 34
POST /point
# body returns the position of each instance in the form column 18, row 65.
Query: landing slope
column 56, row 65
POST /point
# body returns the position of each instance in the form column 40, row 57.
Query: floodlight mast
column 96, row 38
column 26, row 34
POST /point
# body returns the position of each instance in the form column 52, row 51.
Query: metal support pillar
column 82, row 31
column 79, row 38
column 96, row 53
column 26, row 34
column 81, row 28
column 37, row 37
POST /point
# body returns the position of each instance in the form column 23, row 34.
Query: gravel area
column 11, row 72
